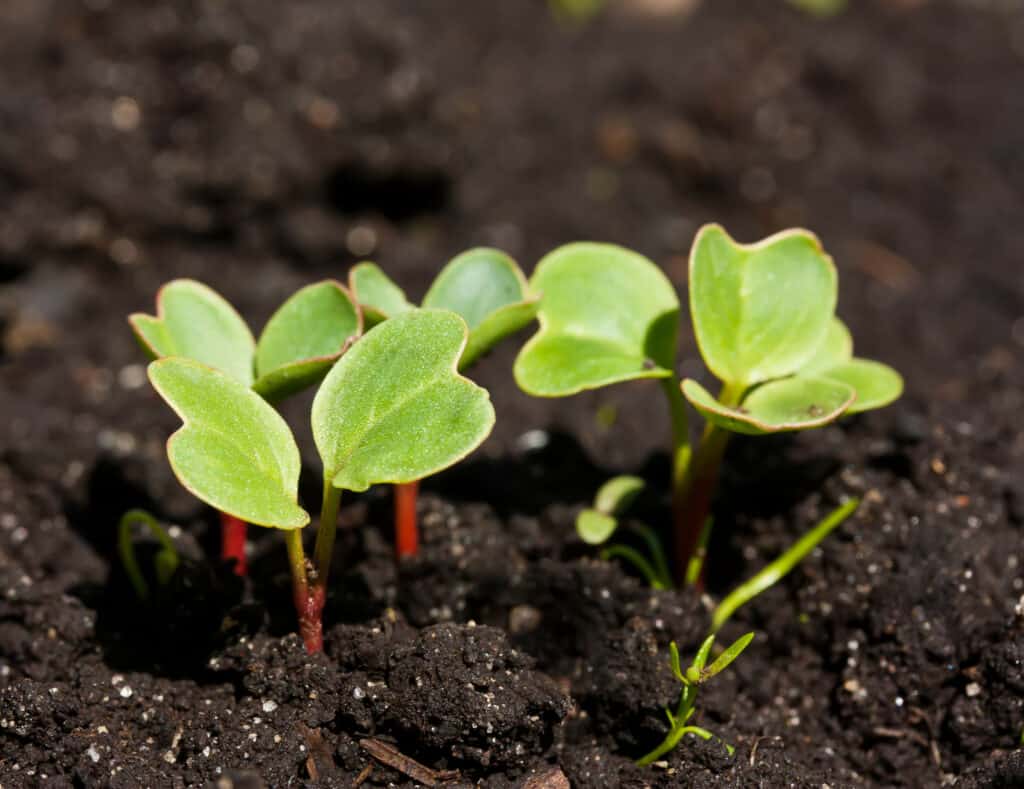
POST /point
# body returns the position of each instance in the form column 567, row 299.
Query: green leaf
column 728, row 656
column 760, row 311
column 615, row 496
column 606, row 314
column 595, row 527
column 375, row 292
column 796, row 403
column 702, row 654
column 394, row 409
column 677, row 668
column 876, row 384
column 487, row 288
column 304, row 338
column 234, row 452
column 835, row 349
column 194, row 321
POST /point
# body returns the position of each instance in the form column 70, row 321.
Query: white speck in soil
column 126, row 692
column 269, row 705
column 358, row 693
column 93, row 754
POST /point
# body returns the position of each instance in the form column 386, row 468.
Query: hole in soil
column 398, row 195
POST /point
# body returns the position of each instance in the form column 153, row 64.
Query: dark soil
column 258, row 146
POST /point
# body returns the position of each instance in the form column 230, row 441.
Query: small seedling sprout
column 764, row 320
column 596, row 525
column 165, row 562
column 391, row 410
column 776, row 570
column 296, row 348
column 695, row 675
column 488, row 289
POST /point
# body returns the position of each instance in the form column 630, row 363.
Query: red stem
column 232, row 541
column 691, row 504
column 309, row 605
column 407, row 533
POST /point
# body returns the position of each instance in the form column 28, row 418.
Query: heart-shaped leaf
column 760, row 311
column 796, row 403
column 194, row 321
column 876, row 384
column 487, row 288
column 394, row 409
column 379, row 297
column 606, row 315
column 234, row 452
column 304, row 338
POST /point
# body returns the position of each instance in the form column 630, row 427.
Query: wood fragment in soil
column 552, row 778
column 363, row 775
column 389, row 755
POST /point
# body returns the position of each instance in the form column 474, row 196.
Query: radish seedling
column 695, row 675
column 393, row 409
column 596, row 525
column 764, row 319
column 297, row 347
column 487, row 288
column 165, row 562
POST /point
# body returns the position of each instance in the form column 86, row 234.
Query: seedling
column 596, row 525
column 165, row 562
column 696, row 674
column 297, row 347
column 764, row 319
column 487, row 288
column 393, row 409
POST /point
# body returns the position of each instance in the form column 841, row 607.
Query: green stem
column 671, row 741
column 325, row 534
column 635, row 558
column 681, row 449
column 296, row 559
column 166, row 560
column 657, row 553
column 748, row 590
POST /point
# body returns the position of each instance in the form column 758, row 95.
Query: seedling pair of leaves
column 392, row 409
column 299, row 343
column 695, row 675
column 764, row 319
column 487, row 288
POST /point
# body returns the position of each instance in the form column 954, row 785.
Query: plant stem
column 681, row 449
column 309, row 601
column 232, row 541
column 674, row 736
column 325, row 534
column 774, row 571
column 694, row 493
column 407, row 535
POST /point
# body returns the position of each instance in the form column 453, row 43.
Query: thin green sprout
column 777, row 569
column 165, row 562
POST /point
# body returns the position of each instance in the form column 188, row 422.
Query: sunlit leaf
column 607, row 314
column 394, row 409
column 379, row 297
column 196, row 322
column 304, row 338
column 234, row 452
column 760, row 311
